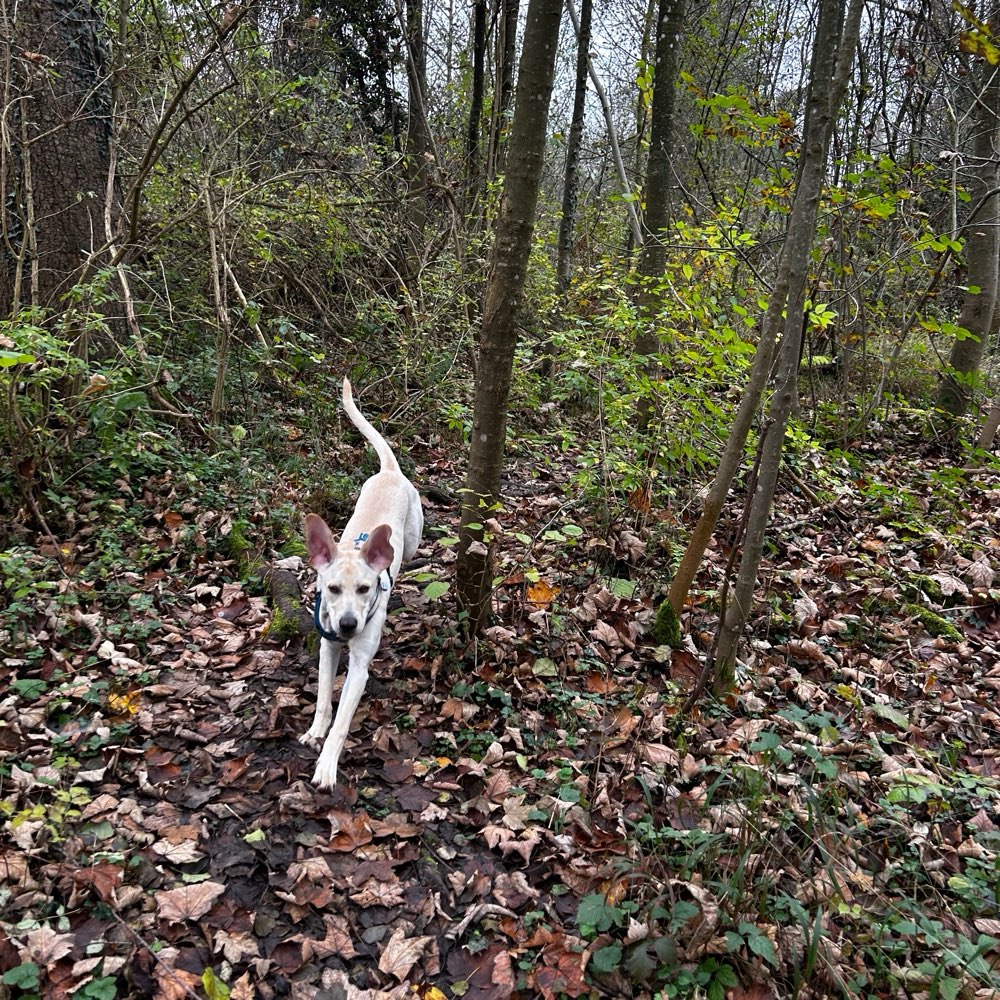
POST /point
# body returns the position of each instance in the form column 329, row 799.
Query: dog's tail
column 379, row 443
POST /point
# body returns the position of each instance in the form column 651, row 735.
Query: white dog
column 352, row 587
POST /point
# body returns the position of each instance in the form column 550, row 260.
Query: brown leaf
column 349, row 831
column 376, row 892
column 685, row 667
column 190, row 902
column 337, row 941
column 45, row 947
column 402, row 953
column 658, row 753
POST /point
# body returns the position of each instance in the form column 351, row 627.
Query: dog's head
column 347, row 577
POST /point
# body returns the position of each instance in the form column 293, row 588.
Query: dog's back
column 387, row 496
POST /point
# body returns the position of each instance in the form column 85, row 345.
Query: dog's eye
column 364, row 589
column 335, row 590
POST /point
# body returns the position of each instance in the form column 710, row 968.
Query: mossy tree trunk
column 504, row 293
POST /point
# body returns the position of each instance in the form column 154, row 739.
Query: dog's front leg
column 329, row 658
column 362, row 650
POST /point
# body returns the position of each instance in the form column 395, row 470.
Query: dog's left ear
column 377, row 551
column 319, row 541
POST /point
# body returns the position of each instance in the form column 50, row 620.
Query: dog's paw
column 314, row 735
column 325, row 775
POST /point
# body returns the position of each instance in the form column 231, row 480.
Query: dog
column 353, row 580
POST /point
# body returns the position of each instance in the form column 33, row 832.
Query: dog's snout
column 348, row 625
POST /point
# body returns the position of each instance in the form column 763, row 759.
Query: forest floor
column 536, row 818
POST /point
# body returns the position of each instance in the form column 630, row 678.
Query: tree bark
column 982, row 248
column 57, row 156
column 473, row 165
column 656, row 214
column 801, row 226
column 506, row 47
column 833, row 52
column 504, row 293
column 567, row 223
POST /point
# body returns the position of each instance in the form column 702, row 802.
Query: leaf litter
column 539, row 821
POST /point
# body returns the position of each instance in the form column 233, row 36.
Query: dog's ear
column 319, row 541
column 377, row 551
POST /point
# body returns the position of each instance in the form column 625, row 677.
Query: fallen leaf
column 402, row 953
column 190, row 902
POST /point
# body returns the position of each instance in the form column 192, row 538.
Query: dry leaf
column 402, row 953
column 190, row 902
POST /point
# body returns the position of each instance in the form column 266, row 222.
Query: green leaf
column 573, row 530
column 544, row 667
column 215, row 988
column 762, row 945
column 26, row 976
column 596, row 912
column 436, row 589
column 255, row 836
column 130, row 401
column 607, row 959
column 893, row 715
column 29, row 688
column 104, row 988
column 10, row 358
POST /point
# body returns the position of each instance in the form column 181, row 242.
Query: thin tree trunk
column 609, row 121
column 506, row 46
column 473, row 166
column 567, row 224
column 833, row 52
column 801, row 221
column 982, row 249
column 418, row 142
column 504, row 292
column 656, row 215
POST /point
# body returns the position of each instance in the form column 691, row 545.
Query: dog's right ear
column 319, row 541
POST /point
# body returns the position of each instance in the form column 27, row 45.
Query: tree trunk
column 567, row 224
column 418, row 142
column 801, row 226
column 656, row 215
column 473, row 166
column 833, row 52
column 506, row 46
column 504, row 292
column 982, row 248
column 57, row 154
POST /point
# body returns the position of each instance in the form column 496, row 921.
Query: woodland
column 683, row 318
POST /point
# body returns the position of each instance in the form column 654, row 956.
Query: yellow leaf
column 125, row 702
column 541, row 593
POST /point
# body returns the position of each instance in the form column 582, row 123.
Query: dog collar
column 384, row 585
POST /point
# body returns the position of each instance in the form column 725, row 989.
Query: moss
column 282, row 627
column 666, row 630
column 236, row 545
column 933, row 623
column 294, row 547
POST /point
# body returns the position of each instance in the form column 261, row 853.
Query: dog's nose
column 348, row 625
